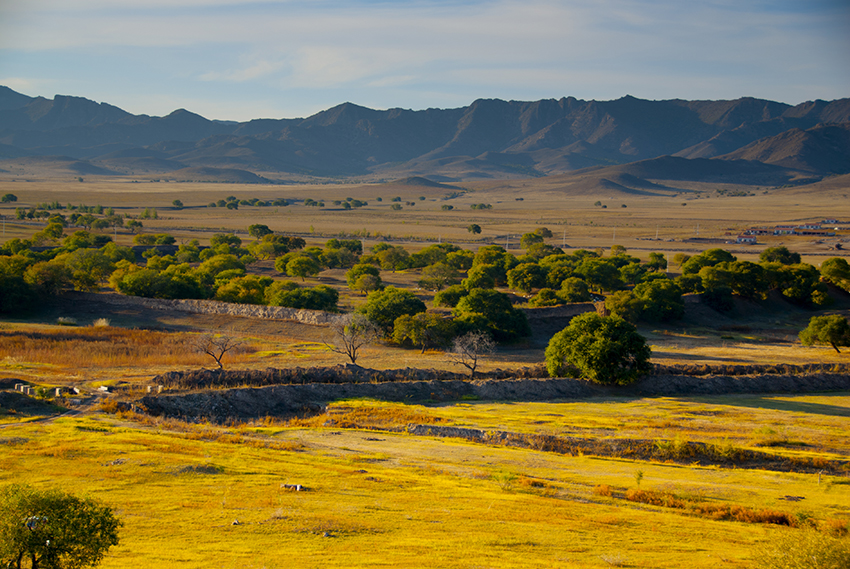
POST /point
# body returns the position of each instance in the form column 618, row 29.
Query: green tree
column 423, row 329
column 657, row 262
column 475, row 229
column 53, row 530
column 249, row 289
column 89, row 268
column 383, row 307
column 574, row 289
column 9, row 198
column 681, row 258
column 781, row 255
column 545, row 297
column 177, row 204
column 707, row 258
column 603, row 349
column 48, row 277
column 353, row 275
column 625, row 304
column 837, row 271
column 488, row 310
column 529, row 239
column 617, row 250
column 481, row 276
column 800, row 284
column 228, row 239
column 289, row 294
column 833, row 330
column 460, row 260
column 633, row 273
column 662, row 300
column 438, row 276
column 526, row 276
column 451, row 296
column 258, row 230
column 220, row 263
column 393, row 258
column 302, row 267
column 600, row 274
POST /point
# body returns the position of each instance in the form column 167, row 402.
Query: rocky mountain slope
column 488, row 139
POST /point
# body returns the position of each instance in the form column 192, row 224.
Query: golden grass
column 547, row 201
column 389, row 499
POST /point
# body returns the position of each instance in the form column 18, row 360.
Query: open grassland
column 573, row 217
column 377, row 498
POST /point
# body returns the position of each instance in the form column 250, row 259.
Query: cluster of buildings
column 825, row 228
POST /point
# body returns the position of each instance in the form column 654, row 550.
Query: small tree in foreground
column 604, row 349
column 53, row 530
column 353, row 332
column 216, row 346
column 468, row 350
column 833, row 330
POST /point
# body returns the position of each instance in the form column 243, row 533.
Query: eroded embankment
column 222, row 405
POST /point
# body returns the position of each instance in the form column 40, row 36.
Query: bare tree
column 216, row 346
column 353, row 332
column 468, row 350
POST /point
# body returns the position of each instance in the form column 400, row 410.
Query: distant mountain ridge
column 490, row 138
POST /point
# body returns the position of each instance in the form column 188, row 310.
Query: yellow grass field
column 376, row 498
column 202, row 495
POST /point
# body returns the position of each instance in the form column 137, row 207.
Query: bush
column 809, row 548
column 545, row 297
column 451, row 296
column 289, row 294
column 604, row 349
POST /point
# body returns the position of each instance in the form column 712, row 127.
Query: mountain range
column 744, row 140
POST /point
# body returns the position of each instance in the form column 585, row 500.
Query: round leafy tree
column 604, row 349
column 53, row 529
column 382, row 307
column 833, row 330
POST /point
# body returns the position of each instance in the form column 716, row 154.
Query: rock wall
column 313, row 317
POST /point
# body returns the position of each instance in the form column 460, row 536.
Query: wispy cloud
column 399, row 53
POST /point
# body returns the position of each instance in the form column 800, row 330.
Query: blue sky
column 243, row 59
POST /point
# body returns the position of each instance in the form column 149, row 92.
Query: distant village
column 825, row 228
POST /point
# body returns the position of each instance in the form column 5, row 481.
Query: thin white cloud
column 444, row 49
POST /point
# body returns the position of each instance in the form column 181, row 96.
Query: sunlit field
column 616, row 481
column 390, row 499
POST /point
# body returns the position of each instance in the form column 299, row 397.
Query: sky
column 246, row 59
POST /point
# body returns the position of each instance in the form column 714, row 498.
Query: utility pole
column 565, row 239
